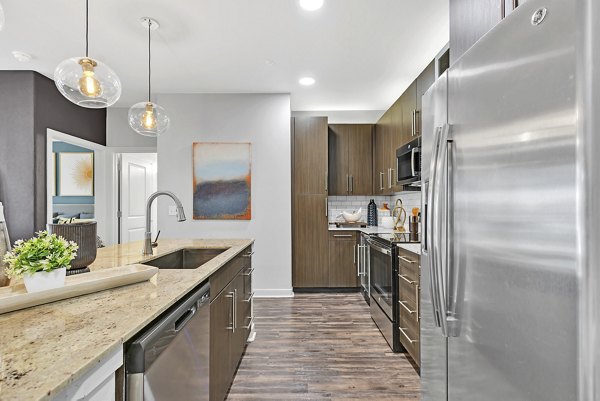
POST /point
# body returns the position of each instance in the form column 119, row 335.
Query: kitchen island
column 48, row 349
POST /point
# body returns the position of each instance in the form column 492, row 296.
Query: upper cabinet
column 350, row 159
column 400, row 124
column 310, row 156
column 471, row 19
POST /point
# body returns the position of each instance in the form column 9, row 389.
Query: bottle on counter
column 372, row 213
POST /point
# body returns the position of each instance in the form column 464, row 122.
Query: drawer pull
column 403, row 277
column 407, row 260
column 250, row 297
column 417, row 293
column 248, row 255
column 403, row 304
column 406, row 335
column 248, row 273
column 343, row 235
column 249, row 324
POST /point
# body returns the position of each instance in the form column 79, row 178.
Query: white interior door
column 138, row 182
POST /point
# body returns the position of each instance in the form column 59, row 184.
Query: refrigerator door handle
column 429, row 240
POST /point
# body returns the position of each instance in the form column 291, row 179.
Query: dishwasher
column 170, row 359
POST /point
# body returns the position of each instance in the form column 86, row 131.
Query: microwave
column 408, row 158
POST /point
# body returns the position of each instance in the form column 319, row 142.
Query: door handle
column 414, row 124
column 407, row 260
column 326, row 207
column 403, row 304
column 381, row 181
column 231, row 295
column 347, row 183
column 403, row 277
column 410, row 340
column 351, row 184
column 429, row 243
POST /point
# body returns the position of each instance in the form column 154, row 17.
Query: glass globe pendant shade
column 87, row 82
column 148, row 119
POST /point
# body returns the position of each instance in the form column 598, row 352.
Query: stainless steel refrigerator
column 500, row 257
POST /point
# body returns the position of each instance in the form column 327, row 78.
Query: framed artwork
column 222, row 180
column 76, row 174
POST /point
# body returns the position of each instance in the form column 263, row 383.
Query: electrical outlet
column 172, row 210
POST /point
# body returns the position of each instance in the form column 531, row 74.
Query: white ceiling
column 363, row 53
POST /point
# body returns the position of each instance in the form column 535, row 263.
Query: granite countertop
column 45, row 348
column 414, row 248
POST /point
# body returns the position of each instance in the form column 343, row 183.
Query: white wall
column 263, row 120
column 119, row 134
column 344, row 116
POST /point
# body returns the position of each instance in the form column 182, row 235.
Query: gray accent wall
column 29, row 105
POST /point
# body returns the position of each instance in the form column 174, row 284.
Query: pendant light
column 148, row 118
column 85, row 81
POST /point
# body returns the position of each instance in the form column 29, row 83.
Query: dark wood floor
column 321, row 347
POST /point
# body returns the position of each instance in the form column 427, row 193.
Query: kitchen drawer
column 342, row 235
column 409, row 263
column 409, row 293
column 409, row 334
column 220, row 279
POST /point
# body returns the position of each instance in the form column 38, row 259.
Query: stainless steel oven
column 408, row 159
column 383, row 289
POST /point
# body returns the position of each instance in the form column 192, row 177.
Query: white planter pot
column 41, row 281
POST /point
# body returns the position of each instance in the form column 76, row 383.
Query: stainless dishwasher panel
column 170, row 360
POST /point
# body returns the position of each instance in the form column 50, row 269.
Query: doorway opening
column 137, row 180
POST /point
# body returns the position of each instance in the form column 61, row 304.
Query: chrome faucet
column 148, row 236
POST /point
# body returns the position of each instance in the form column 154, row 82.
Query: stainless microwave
column 408, row 158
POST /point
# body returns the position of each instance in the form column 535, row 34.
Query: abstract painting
column 222, row 180
column 76, row 174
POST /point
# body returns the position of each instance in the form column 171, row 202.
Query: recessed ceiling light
column 306, row 81
column 21, row 56
column 311, row 5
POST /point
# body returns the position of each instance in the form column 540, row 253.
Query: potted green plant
column 42, row 261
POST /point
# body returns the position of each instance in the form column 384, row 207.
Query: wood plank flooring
column 321, row 347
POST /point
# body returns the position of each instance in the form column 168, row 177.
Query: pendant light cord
column 87, row 29
column 149, row 54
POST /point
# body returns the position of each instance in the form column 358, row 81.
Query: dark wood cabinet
column 381, row 155
column 342, row 259
column 309, row 202
column 230, row 321
column 471, row 19
column 350, row 159
column 424, row 82
column 409, row 294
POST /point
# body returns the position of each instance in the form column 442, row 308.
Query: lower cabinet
column 409, row 293
column 230, row 321
column 343, row 259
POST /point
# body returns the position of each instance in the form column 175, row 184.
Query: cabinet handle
column 403, row 277
column 249, row 254
column 407, row 260
column 357, row 255
column 391, row 177
column 502, row 9
column 234, row 309
column 417, row 298
column 354, row 254
column 327, row 181
column 403, row 304
column 406, row 335
column 326, row 208
column 249, row 324
column 417, row 123
column 414, row 123
column 381, row 181
column 347, row 183
column 232, row 296
column 342, row 235
column 248, row 273
column 351, row 184
column 250, row 297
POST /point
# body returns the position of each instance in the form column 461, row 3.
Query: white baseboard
column 289, row 293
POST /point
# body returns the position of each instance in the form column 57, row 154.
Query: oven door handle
column 379, row 248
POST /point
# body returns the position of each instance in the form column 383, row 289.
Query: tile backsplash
column 338, row 204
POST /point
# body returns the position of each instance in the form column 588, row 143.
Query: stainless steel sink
column 184, row 258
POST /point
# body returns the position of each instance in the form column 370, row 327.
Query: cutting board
column 16, row 297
